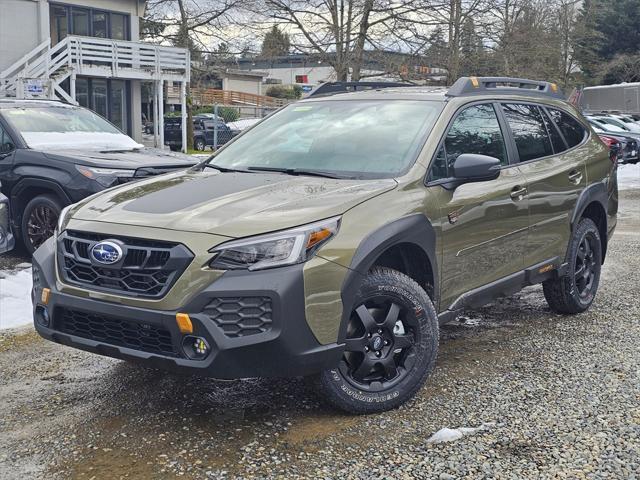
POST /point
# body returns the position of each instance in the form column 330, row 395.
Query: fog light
column 196, row 348
column 42, row 316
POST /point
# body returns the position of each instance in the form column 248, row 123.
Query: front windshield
column 66, row 127
column 358, row 138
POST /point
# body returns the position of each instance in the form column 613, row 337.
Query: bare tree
column 338, row 30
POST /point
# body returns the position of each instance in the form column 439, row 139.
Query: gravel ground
column 559, row 397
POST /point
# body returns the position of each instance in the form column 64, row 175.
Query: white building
column 312, row 70
column 87, row 52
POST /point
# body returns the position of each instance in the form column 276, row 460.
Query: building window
column 80, row 21
column 67, row 20
column 108, row 98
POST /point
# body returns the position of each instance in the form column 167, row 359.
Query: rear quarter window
column 572, row 130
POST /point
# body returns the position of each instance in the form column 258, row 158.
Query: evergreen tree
column 276, row 43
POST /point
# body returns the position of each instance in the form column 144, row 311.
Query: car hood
column 128, row 159
column 228, row 204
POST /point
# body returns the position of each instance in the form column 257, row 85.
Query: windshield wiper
column 297, row 171
column 223, row 169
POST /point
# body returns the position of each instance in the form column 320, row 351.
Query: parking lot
column 558, row 397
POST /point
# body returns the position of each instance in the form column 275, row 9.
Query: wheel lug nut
column 379, row 330
column 366, row 349
column 386, row 342
column 369, row 335
column 378, row 354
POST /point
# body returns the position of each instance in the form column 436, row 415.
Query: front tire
column 199, row 145
column 391, row 346
column 39, row 221
column 576, row 290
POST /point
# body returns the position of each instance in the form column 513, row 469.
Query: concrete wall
column 20, row 26
column 321, row 73
column 246, row 85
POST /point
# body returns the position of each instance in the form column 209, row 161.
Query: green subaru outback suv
column 334, row 237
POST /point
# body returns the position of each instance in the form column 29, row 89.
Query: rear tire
column 576, row 290
column 391, row 346
column 39, row 221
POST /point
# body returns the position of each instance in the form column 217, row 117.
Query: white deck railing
column 98, row 57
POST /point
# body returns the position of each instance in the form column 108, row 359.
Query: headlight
column 275, row 250
column 62, row 219
column 104, row 176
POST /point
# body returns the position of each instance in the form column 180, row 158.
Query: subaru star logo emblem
column 106, row 252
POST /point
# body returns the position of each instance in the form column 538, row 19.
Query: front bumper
column 286, row 348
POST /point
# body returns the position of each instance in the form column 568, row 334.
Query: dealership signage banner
column 35, row 88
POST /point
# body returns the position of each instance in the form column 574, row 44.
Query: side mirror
column 470, row 167
column 6, row 148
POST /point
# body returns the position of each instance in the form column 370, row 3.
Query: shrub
column 228, row 114
column 281, row 91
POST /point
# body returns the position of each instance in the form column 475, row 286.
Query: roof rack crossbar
column 506, row 85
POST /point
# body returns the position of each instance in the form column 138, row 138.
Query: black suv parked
column 53, row 154
column 207, row 132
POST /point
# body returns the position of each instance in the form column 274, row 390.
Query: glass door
column 118, row 104
column 99, row 97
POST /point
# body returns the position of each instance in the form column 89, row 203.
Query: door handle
column 518, row 192
column 575, row 176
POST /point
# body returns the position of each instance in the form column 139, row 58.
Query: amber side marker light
column 318, row 236
column 184, row 323
column 474, row 82
column 44, row 298
column 546, row 268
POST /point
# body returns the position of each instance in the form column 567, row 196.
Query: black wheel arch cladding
column 595, row 193
column 413, row 229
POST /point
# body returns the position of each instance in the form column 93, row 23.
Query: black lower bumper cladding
column 270, row 339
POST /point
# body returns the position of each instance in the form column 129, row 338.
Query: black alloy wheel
column 379, row 349
column 39, row 221
column 586, row 265
column 575, row 291
column 390, row 345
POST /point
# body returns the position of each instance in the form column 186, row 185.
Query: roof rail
column 333, row 88
column 504, row 85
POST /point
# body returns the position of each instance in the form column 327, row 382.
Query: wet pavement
column 563, row 393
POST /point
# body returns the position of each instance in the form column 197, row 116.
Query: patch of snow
column 94, row 141
column 452, row 434
column 15, row 297
column 628, row 176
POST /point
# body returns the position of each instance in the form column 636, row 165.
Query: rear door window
column 571, row 129
column 529, row 131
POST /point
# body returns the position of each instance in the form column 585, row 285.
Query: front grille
column 241, row 316
column 115, row 331
column 149, row 268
